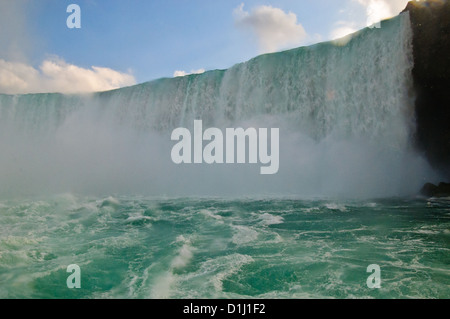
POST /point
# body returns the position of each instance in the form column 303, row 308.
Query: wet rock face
column 431, row 28
column 431, row 190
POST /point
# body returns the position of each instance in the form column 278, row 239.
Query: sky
column 122, row 43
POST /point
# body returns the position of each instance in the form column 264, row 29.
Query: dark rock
column 431, row 190
column 431, row 74
column 428, row 190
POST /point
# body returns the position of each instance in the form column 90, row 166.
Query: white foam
column 138, row 217
column 244, row 235
column 162, row 289
column 334, row 206
column 311, row 209
column 225, row 267
column 110, row 202
column 184, row 257
column 269, row 219
column 211, row 214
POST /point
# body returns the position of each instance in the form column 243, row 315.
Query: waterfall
column 345, row 110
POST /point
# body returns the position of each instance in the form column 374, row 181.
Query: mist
column 90, row 154
column 15, row 38
column 346, row 128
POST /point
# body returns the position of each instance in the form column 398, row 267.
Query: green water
column 134, row 247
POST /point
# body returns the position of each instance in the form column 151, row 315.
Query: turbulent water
column 216, row 248
column 140, row 226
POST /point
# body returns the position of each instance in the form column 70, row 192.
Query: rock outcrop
column 431, row 190
column 431, row 28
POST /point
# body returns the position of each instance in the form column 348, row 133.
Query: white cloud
column 55, row 75
column 342, row 29
column 378, row 10
column 375, row 11
column 274, row 28
column 17, row 40
column 184, row 73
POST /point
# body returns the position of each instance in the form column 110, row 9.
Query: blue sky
column 149, row 39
